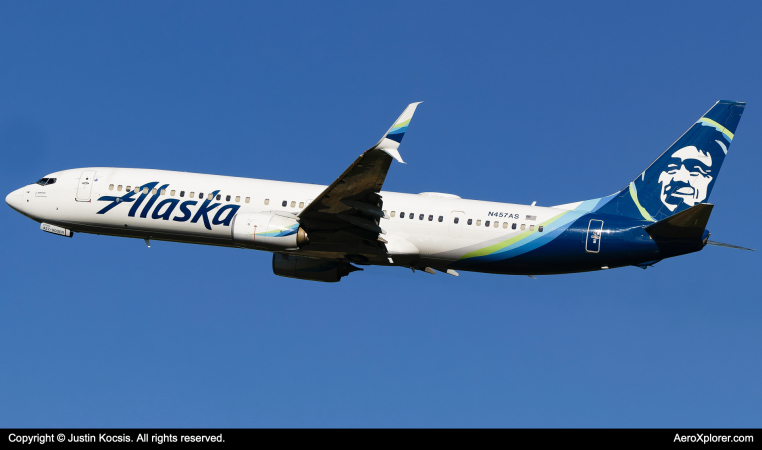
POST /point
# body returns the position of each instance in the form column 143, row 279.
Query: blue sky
column 522, row 102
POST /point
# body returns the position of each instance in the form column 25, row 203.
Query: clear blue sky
column 522, row 102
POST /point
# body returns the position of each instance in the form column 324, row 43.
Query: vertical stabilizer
column 684, row 175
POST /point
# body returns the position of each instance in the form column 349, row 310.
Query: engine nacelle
column 265, row 231
column 311, row 269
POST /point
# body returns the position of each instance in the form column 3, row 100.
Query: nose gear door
column 85, row 186
column 594, row 234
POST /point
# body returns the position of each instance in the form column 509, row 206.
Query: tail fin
column 684, row 175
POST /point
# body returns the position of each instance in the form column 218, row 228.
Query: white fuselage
column 425, row 221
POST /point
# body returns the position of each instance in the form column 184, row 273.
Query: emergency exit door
column 456, row 224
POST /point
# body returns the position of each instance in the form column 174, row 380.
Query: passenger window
column 497, row 224
column 301, row 205
column 505, row 224
column 163, row 192
column 137, row 189
column 420, row 217
column 153, row 191
column 486, row 224
column 523, row 226
column 219, row 197
column 182, row 193
column 531, row 227
column 128, row 189
column 293, row 204
column 110, row 187
column 513, row 227
column 267, row 201
column 412, row 216
column 402, row 215
column 470, row 221
column 119, row 188
column 540, row 228
column 431, row 218
column 393, row 213
column 172, row 193
column 385, row 212
column 211, row 196
column 227, row 198
column 284, row 203
column 441, row 218
column 456, row 220
column 237, row 198
column 145, row 190
column 478, row 222
column 200, row 195
column 190, row 195
column 247, row 199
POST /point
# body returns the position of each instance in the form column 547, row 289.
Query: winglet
column 390, row 143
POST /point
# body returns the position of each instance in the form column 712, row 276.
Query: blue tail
column 683, row 176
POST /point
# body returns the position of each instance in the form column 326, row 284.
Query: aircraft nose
column 14, row 199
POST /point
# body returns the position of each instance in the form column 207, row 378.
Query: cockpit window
column 46, row 181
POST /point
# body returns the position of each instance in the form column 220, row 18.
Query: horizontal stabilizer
column 720, row 244
column 685, row 225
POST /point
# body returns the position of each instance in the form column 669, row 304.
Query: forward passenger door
column 85, row 186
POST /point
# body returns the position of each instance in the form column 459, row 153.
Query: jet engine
column 267, row 231
column 311, row 269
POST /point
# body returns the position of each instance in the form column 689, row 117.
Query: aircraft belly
column 147, row 233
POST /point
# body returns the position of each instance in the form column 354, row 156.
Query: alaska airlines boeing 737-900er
column 317, row 232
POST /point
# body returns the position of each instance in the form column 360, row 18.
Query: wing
column 351, row 206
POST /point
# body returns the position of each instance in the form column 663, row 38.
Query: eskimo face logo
column 687, row 178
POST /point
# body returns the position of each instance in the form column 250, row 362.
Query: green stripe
column 634, row 195
column 501, row 245
column 719, row 127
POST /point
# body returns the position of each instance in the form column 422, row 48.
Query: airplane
column 323, row 233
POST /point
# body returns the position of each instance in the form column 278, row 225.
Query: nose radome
column 14, row 199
